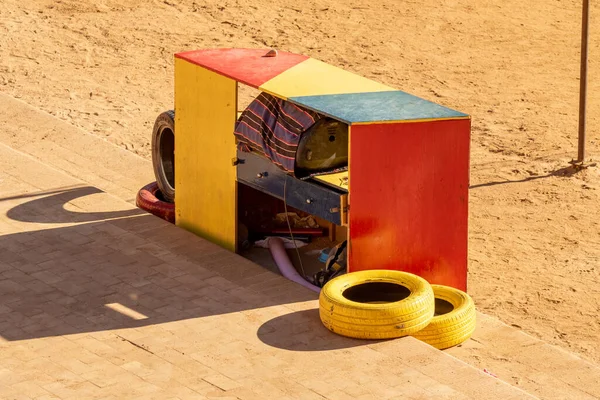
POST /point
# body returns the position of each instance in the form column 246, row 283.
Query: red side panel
column 247, row 66
column 409, row 199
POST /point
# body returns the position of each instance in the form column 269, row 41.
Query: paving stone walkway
column 101, row 301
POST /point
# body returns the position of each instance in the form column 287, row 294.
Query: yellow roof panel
column 313, row 77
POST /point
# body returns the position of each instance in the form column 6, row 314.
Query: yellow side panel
column 205, row 179
column 337, row 179
column 313, row 77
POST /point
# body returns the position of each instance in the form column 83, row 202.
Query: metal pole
column 583, row 79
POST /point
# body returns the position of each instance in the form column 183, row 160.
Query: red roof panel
column 249, row 66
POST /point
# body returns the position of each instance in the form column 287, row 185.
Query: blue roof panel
column 374, row 107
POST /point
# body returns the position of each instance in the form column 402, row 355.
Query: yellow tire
column 454, row 320
column 376, row 304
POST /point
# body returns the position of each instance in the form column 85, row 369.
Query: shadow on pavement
column 303, row 331
column 123, row 273
column 51, row 209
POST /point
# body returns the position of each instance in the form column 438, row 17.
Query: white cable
column 287, row 218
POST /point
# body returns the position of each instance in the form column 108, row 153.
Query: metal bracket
column 343, row 209
column 580, row 165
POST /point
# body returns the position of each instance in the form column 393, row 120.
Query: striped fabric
column 273, row 127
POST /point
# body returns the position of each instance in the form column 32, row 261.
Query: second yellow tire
column 454, row 321
column 376, row 304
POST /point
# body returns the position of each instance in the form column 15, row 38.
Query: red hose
column 146, row 200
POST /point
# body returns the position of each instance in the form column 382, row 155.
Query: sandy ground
column 107, row 67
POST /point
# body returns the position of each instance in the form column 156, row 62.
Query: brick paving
column 101, row 301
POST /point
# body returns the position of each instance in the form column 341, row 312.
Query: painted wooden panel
column 337, row 179
column 409, row 199
column 248, row 66
column 205, row 179
column 390, row 106
column 313, row 77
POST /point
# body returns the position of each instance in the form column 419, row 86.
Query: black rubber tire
column 163, row 154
